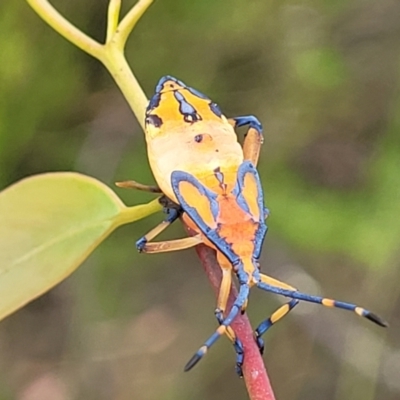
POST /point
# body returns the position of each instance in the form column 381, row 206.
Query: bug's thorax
column 186, row 131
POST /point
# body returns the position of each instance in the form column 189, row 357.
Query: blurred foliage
column 323, row 78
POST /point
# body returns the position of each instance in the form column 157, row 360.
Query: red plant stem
column 254, row 372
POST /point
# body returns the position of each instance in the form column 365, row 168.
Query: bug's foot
column 141, row 244
column 239, row 370
column 260, row 342
column 239, row 357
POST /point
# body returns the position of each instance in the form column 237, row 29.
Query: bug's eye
column 154, row 120
column 214, row 107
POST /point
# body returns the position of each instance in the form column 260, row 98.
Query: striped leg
column 172, row 216
column 222, row 329
column 172, row 245
column 138, row 186
column 273, row 319
column 237, row 344
column 223, row 295
column 271, row 285
column 278, row 314
column 144, row 245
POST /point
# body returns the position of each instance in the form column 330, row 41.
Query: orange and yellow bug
column 199, row 165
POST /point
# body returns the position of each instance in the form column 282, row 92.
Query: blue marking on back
column 259, row 239
column 248, row 168
column 214, row 207
column 184, row 107
column 219, row 175
column 212, row 234
column 179, row 176
column 237, row 191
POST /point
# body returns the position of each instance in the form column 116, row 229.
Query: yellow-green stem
column 131, row 214
column 115, row 61
column 114, row 9
column 112, row 53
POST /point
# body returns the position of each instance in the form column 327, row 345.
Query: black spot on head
column 193, row 117
column 217, row 151
column 154, row 120
column 154, row 102
column 198, row 138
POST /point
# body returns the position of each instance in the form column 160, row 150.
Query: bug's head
column 169, row 83
column 175, row 105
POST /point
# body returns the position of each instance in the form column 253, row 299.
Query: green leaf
column 49, row 224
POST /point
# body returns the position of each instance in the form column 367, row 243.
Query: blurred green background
column 323, row 78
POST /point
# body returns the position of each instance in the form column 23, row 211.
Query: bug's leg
column 272, row 285
column 223, row 295
column 253, row 138
column 275, row 282
column 273, row 319
column 172, row 245
column 222, row 329
column 138, row 186
column 172, row 216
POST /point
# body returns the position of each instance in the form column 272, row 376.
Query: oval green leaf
column 49, row 224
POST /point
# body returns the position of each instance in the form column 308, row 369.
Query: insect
column 200, row 166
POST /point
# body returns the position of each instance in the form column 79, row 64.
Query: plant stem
column 114, row 9
column 132, row 214
column 116, row 64
column 110, row 54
